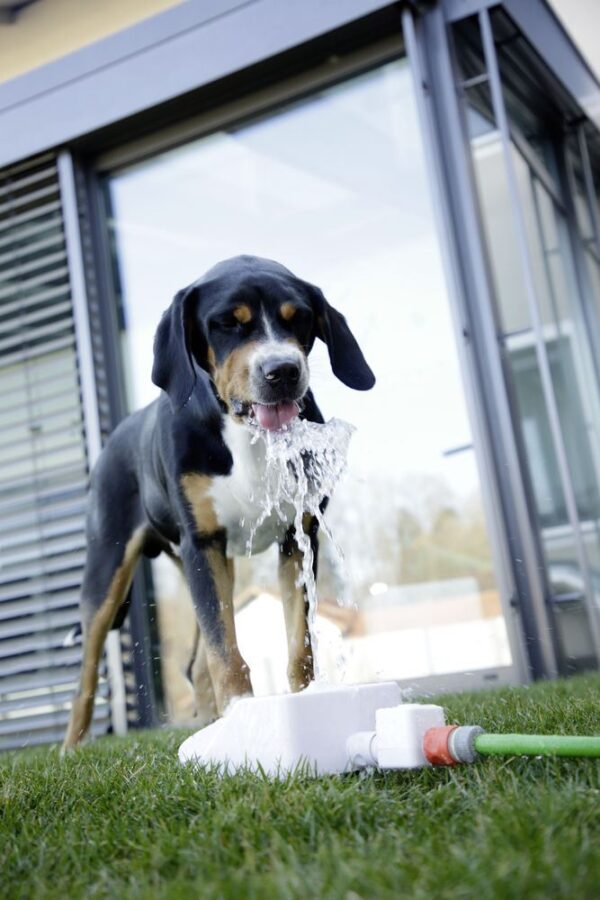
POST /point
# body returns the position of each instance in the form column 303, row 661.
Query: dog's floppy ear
column 346, row 357
column 174, row 369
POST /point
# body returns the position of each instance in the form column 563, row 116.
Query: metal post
column 89, row 399
column 536, row 319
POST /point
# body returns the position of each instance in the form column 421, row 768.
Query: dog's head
column 241, row 335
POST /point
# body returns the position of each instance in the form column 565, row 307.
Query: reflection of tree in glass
column 413, row 531
column 454, row 546
column 408, row 532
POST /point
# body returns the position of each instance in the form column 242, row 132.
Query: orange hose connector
column 435, row 746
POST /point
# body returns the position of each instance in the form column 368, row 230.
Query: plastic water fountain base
column 329, row 729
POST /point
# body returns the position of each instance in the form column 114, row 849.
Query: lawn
column 121, row 818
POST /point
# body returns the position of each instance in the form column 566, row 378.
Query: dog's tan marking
column 94, row 637
column 223, row 663
column 196, row 491
column 205, row 702
column 232, row 375
column 300, row 658
column 287, row 311
column 243, row 314
column 228, row 671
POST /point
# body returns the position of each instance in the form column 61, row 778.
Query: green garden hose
column 451, row 744
column 536, row 745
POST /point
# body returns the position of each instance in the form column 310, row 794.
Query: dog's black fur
column 149, row 489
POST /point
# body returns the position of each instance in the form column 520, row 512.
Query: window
column 538, row 268
column 335, row 187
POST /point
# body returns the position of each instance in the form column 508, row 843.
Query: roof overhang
column 197, row 43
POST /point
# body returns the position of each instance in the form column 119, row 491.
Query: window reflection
column 567, row 349
column 335, row 188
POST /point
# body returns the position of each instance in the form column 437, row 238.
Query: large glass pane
column 581, row 154
column 565, row 340
column 335, row 187
column 578, row 188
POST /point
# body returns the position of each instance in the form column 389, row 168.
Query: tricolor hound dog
column 231, row 348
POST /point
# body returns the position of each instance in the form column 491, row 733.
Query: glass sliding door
column 335, row 187
column 543, row 331
column 581, row 156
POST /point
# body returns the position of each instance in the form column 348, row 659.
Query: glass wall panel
column 578, row 189
column 583, row 165
column 560, row 335
column 335, row 187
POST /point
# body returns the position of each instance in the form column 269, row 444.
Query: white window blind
column 43, row 465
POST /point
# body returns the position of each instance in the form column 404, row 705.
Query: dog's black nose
column 281, row 371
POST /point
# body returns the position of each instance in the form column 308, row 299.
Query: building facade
column 434, row 167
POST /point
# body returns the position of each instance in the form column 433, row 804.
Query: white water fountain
column 329, row 728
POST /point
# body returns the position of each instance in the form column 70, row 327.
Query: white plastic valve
column 399, row 734
column 397, row 742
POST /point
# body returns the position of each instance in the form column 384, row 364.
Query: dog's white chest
column 239, row 498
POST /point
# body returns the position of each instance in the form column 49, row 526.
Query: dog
column 230, row 355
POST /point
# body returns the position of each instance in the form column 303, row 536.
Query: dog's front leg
column 295, row 605
column 210, row 577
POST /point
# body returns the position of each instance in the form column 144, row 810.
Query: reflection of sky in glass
column 335, row 188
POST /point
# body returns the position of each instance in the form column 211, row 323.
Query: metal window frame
column 89, row 397
column 264, row 100
column 540, row 26
column 509, row 140
column 534, row 304
column 471, row 279
column 466, row 344
column 98, row 279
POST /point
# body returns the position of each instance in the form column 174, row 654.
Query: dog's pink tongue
column 274, row 417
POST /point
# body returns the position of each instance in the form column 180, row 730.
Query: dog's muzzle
column 278, row 380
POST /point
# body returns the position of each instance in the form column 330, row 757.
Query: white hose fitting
column 361, row 749
column 397, row 742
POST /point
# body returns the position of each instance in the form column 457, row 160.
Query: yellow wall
column 52, row 28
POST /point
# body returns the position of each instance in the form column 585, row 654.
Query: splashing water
column 303, row 463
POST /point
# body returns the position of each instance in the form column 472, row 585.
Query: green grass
column 121, row 818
